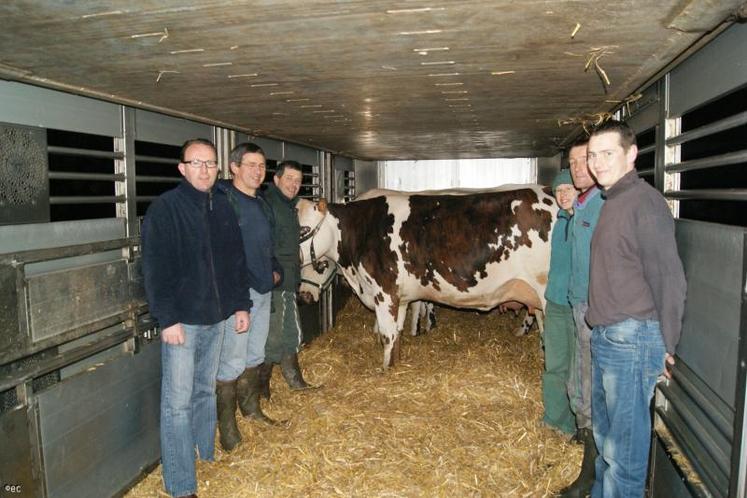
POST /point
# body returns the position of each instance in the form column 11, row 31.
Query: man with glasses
column 195, row 280
column 636, row 303
column 285, row 335
column 242, row 354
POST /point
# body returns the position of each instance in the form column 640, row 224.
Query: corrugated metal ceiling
column 370, row 79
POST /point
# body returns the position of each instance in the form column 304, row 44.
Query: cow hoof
column 519, row 331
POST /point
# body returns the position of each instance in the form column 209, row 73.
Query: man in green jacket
column 284, row 338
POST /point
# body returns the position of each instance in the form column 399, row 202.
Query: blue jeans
column 627, row 359
column 188, row 410
column 247, row 350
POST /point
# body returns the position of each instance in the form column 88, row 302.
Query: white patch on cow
column 515, row 206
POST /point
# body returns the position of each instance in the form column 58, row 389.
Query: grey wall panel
column 645, row 111
column 547, row 168
column 343, row 163
column 273, row 148
column 99, row 429
column 713, row 259
column 34, row 106
column 715, row 69
column 163, row 129
column 366, row 176
column 16, row 238
column 16, row 462
column 302, row 154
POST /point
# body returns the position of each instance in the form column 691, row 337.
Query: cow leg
column 390, row 328
column 416, row 308
column 428, row 316
column 539, row 316
column 526, row 324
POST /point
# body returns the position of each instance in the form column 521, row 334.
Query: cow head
column 316, row 238
column 314, row 281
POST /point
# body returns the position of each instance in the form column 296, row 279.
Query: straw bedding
column 458, row 416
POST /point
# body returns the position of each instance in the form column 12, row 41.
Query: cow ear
column 322, row 206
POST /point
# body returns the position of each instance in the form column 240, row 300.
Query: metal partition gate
column 698, row 447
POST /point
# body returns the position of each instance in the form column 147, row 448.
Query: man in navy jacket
column 242, row 354
column 195, row 280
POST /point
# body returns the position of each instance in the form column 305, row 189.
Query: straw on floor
column 458, row 416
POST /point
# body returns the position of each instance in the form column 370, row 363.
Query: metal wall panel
column 645, row 111
column 343, row 163
column 97, row 445
column 712, row 256
column 34, row 106
column 273, row 148
column 16, row 462
column 163, row 129
column 717, row 68
column 302, row 154
column 665, row 478
column 64, row 300
column 548, row 168
column 366, row 176
column 17, row 238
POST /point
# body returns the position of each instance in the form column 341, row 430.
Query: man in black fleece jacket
column 636, row 303
column 195, row 279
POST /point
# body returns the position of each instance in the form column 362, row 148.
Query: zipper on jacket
column 210, row 252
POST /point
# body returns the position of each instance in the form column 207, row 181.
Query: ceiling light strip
column 187, row 51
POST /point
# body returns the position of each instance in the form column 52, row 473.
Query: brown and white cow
column 422, row 314
column 468, row 251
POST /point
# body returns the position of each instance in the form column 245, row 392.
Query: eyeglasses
column 199, row 163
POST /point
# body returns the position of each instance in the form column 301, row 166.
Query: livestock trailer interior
column 96, row 99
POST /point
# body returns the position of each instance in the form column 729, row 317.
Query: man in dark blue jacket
column 195, row 280
column 242, row 354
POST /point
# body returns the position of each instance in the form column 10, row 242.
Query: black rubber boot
column 226, row 401
column 580, row 436
column 581, row 487
column 247, row 393
column 264, row 374
column 292, row 373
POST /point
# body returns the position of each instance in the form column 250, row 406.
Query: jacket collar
column 194, row 195
column 274, row 190
column 590, row 194
column 624, row 183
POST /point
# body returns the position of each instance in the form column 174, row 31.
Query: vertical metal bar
column 738, row 475
column 662, row 89
column 125, row 144
column 671, row 181
column 37, row 456
column 223, row 149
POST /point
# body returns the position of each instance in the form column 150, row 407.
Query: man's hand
column 668, row 363
column 173, row 335
column 242, row 322
column 275, row 278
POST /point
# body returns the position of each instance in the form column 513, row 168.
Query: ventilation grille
column 24, row 188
